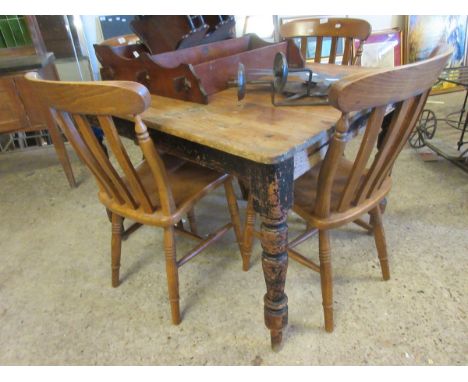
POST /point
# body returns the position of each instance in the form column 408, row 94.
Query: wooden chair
column 333, row 28
column 158, row 192
column 338, row 191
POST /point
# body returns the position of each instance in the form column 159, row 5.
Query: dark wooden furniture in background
column 20, row 109
column 56, row 36
column 171, row 32
column 334, row 28
column 338, row 191
column 158, row 192
column 192, row 74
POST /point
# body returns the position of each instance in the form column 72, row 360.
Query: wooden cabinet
column 20, row 110
column 12, row 113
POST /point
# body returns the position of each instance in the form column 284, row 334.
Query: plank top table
column 267, row 146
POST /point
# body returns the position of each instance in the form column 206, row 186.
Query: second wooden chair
column 338, row 191
column 160, row 191
column 339, row 33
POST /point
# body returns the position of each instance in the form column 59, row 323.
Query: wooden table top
column 253, row 129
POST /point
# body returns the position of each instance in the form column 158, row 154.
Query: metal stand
column 299, row 93
column 427, row 124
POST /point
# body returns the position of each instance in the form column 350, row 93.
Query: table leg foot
column 276, row 340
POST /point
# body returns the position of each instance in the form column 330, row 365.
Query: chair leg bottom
column 172, row 274
column 385, row 269
column 380, row 243
column 326, row 279
column 245, row 263
column 175, row 312
column 328, row 316
column 115, row 277
column 116, row 248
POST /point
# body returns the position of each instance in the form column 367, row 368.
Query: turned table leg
column 274, row 237
column 272, row 187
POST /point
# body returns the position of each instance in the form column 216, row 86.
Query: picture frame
column 383, row 48
column 422, row 35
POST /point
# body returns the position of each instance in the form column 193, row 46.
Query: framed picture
column 424, row 33
column 382, row 49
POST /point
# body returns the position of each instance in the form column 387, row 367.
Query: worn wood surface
column 253, row 129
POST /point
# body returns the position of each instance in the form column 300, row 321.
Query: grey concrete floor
column 57, row 306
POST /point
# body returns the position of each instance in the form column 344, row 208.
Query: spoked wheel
column 425, row 129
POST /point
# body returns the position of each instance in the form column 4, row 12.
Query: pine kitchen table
column 266, row 146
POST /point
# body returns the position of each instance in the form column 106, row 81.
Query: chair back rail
column 347, row 29
column 405, row 90
column 71, row 103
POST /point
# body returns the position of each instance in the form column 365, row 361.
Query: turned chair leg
column 172, row 273
column 249, row 229
column 326, row 278
column 192, row 221
column 235, row 218
column 379, row 237
column 116, row 247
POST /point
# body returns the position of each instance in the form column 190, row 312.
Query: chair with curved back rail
column 338, row 191
column 158, row 192
column 347, row 30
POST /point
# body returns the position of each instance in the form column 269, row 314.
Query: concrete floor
column 57, row 306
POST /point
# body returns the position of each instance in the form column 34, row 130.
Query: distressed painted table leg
column 272, row 190
column 274, row 235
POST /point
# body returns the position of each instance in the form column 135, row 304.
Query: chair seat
column 188, row 181
column 305, row 187
column 305, row 196
column 171, row 162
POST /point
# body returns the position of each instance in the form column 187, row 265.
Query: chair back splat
column 72, row 103
column 342, row 33
column 403, row 89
